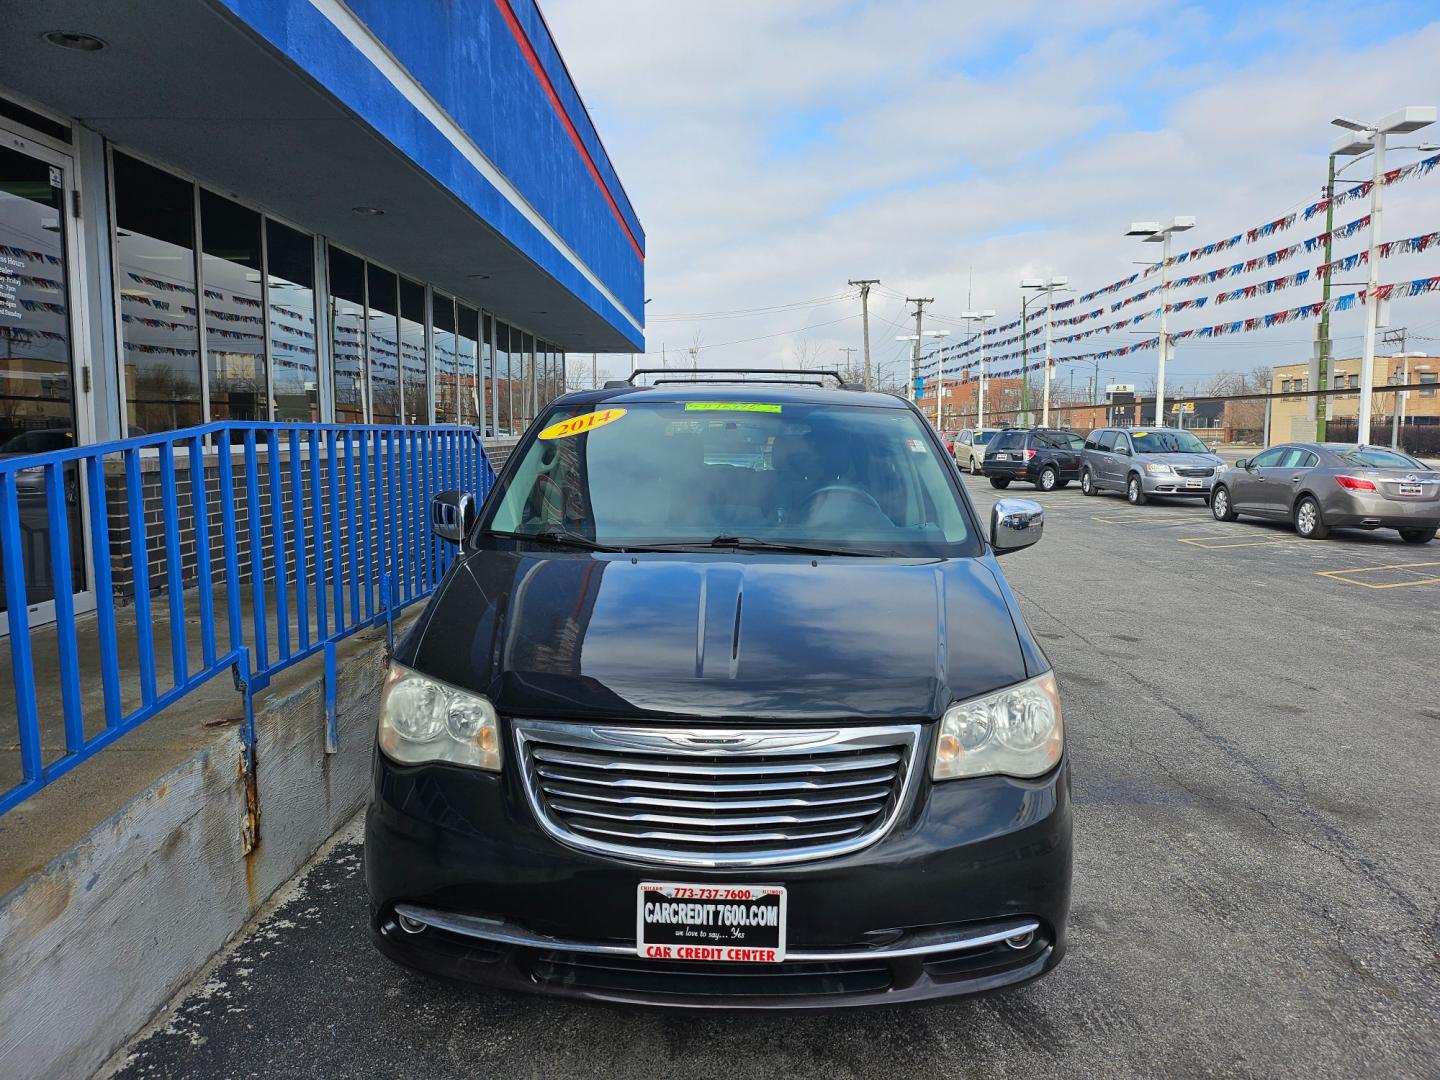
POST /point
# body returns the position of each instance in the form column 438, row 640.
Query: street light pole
column 1365, row 137
column 1154, row 233
column 981, row 317
column 1049, row 285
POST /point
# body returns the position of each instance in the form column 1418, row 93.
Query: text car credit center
column 726, row 703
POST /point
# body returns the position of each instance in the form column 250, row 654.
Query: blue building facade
column 387, row 212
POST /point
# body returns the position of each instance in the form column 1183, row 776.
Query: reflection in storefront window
column 37, row 411
column 468, row 322
column 290, row 268
column 155, row 266
column 383, row 346
column 487, row 374
column 504, row 421
column 347, row 325
column 412, row 351
column 524, row 383
column 447, row 367
column 234, row 322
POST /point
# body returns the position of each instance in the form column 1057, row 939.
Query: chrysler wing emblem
column 699, row 742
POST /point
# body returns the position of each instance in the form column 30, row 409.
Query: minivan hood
column 1186, row 461
column 722, row 637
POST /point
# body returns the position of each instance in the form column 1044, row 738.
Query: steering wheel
column 859, row 494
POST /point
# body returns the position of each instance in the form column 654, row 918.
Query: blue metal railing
column 323, row 530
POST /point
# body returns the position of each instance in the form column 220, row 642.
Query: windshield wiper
column 560, row 537
column 755, row 543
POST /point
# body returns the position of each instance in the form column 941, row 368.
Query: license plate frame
column 711, row 923
column 1411, row 490
column 1194, row 483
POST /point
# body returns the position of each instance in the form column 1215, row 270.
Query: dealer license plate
column 1194, row 483
column 1410, row 489
column 728, row 923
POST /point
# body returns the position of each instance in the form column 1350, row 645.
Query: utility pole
column 919, row 302
column 1391, row 338
column 1322, row 333
column 594, row 372
column 865, row 284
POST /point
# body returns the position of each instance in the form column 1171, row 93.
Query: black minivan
column 725, row 704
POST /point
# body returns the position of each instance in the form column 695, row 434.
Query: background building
column 1293, row 418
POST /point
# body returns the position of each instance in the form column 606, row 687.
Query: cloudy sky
column 775, row 149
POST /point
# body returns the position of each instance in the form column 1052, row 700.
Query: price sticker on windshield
column 579, row 425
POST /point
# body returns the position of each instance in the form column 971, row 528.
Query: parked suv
column 1046, row 457
column 1142, row 462
column 677, row 729
column 970, row 447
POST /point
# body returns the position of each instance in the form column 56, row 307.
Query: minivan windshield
column 1167, row 442
column 828, row 478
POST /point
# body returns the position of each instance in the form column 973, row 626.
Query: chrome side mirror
column 1015, row 524
column 452, row 515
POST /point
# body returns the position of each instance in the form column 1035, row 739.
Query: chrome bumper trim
column 505, row 933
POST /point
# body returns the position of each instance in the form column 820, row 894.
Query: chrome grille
column 708, row 797
column 1195, row 472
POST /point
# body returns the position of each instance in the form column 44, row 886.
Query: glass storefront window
column 290, row 269
column 155, row 269
column 447, row 366
column 234, row 322
column 487, row 374
column 504, row 421
column 37, row 406
column 347, row 348
column 468, row 328
column 524, row 404
column 412, row 351
column 382, row 345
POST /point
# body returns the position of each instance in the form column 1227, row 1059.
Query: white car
column 970, row 447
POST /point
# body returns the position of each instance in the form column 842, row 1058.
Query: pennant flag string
column 1249, row 291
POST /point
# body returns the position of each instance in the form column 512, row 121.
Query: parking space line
column 1348, row 575
column 1215, row 543
column 1143, row 519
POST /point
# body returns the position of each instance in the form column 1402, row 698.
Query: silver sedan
column 1322, row 486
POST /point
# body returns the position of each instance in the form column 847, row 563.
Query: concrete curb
column 99, row 941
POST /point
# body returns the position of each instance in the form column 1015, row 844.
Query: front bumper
column 922, row 913
column 1177, row 485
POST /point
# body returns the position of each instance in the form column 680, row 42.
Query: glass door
column 41, row 405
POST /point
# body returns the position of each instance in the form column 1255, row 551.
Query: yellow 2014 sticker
column 579, row 425
column 731, row 406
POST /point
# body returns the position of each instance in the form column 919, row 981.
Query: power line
column 741, row 313
column 764, row 337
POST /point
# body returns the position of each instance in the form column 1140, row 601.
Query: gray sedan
column 1321, row 486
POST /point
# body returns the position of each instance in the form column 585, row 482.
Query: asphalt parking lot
column 1252, row 727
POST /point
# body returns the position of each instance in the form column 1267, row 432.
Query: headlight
column 1158, row 468
column 423, row 719
column 1017, row 732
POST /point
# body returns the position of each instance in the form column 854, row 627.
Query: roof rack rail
column 765, row 375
